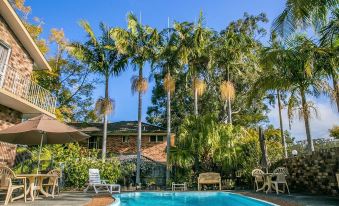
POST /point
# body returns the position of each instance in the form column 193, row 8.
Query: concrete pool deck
column 80, row 198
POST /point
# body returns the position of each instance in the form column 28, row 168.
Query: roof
column 14, row 22
column 118, row 127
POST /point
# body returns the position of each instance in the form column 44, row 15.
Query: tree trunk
column 168, row 135
column 195, row 102
column 139, row 131
column 229, row 104
column 229, row 111
column 306, row 120
column 225, row 110
column 336, row 90
column 283, row 139
column 104, row 138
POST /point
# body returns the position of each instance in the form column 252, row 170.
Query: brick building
column 122, row 138
column 20, row 97
column 122, row 141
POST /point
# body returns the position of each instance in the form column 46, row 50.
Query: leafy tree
column 138, row 42
column 102, row 56
column 74, row 103
column 245, row 45
column 235, row 56
column 334, row 132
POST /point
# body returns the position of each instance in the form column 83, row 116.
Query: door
column 4, row 55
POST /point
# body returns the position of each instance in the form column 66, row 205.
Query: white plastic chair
column 280, row 173
column 258, row 175
column 6, row 183
column 97, row 183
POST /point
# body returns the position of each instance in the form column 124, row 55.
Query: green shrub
column 74, row 159
column 76, row 171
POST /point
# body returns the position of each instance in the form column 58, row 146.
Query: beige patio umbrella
column 41, row 130
column 264, row 162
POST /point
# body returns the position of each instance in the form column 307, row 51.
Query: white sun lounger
column 97, row 183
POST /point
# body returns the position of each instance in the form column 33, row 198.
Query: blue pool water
column 186, row 199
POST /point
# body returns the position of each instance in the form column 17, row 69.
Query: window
column 124, row 139
column 160, row 138
column 94, row 143
column 155, row 138
column 4, row 56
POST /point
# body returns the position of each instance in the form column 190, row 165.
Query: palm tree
column 101, row 54
column 295, row 70
column 330, row 39
column 300, row 14
column 193, row 52
column 168, row 61
column 138, row 42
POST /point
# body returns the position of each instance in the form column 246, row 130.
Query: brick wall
column 19, row 57
column 153, row 150
column 20, row 64
column 314, row 173
column 8, row 117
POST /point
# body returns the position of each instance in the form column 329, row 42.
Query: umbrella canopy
column 264, row 159
column 31, row 131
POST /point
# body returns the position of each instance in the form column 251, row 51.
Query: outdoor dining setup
column 267, row 180
column 36, row 131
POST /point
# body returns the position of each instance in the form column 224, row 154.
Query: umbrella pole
column 42, row 138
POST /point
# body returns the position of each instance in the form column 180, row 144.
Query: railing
column 22, row 86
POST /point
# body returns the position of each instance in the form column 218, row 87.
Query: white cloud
column 328, row 117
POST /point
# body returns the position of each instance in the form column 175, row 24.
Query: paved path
column 64, row 199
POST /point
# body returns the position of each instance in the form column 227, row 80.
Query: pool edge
column 117, row 200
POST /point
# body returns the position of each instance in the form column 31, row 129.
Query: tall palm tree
column 300, row 14
column 168, row 61
column 102, row 56
column 330, row 38
column 138, row 42
column 194, row 41
column 296, row 72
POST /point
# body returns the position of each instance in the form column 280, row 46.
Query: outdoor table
column 38, row 179
column 267, row 182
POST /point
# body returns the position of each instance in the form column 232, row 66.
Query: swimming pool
column 186, row 199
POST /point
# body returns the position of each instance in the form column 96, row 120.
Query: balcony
column 19, row 92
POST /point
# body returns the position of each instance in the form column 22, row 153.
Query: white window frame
column 6, row 62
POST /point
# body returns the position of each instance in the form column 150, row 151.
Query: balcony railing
column 22, row 86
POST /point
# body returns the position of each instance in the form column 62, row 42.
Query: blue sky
column 218, row 13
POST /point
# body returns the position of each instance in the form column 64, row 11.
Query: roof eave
column 13, row 20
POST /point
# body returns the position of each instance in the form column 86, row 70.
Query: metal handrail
column 22, row 86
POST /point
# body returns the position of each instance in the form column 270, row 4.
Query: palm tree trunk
column 168, row 135
column 336, row 90
column 229, row 111
column 229, row 104
column 195, row 102
column 283, row 139
column 139, row 131
column 306, row 120
column 104, row 139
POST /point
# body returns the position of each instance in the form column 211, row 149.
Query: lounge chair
column 209, row 178
column 53, row 182
column 97, row 183
column 258, row 175
column 280, row 173
column 6, row 183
